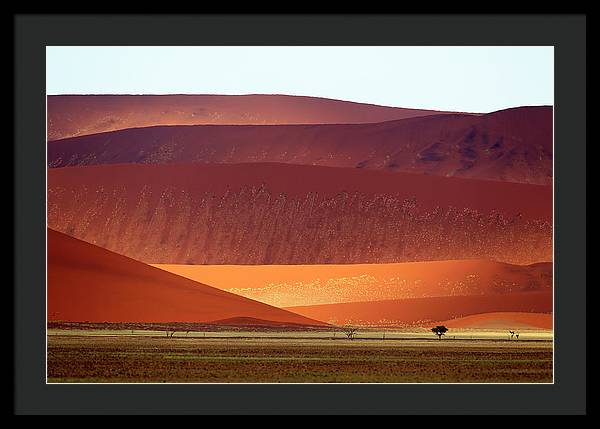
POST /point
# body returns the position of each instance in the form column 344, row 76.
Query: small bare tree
column 350, row 332
column 512, row 334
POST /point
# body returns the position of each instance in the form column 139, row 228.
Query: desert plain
column 279, row 239
column 374, row 356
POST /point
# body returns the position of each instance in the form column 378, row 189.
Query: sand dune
column 74, row 115
column 531, row 201
column 89, row 284
column 510, row 145
column 251, row 322
column 419, row 311
column 293, row 214
column 504, row 320
column 295, row 285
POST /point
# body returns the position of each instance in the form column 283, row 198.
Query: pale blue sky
column 468, row 79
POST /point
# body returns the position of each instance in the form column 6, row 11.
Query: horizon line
column 285, row 95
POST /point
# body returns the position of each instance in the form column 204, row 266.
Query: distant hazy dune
column 74, row 115
column 512, row 145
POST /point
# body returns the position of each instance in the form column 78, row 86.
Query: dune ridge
column 424, row 311
column 89, row 284
column 74, row 115
column 513, row 145
column 502, row 320
column 301, row 285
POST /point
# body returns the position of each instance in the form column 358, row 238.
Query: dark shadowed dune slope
column 511, row 145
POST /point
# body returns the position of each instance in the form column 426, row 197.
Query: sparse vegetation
column 513, row 334
column 350, row 332
column 125, row 358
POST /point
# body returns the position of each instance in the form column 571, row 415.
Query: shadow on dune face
column 513, row 145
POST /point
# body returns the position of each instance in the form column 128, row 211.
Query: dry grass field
column 296, row 357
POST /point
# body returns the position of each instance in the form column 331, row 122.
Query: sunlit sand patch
column 303, row 285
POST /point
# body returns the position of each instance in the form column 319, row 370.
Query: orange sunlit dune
column 421, row 311
column 89, row 284
column 293, row 285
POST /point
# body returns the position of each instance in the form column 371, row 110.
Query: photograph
column 299, row 214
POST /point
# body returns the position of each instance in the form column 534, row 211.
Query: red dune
column 417, row 311
column 512, row 145
column 251, row 322
column 505, row 320
column 295, row 285
column 292, row 214
column 89, row 284
column 74, row 115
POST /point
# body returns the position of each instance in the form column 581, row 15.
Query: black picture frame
column 32, row 33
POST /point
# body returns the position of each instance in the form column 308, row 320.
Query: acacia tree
column 439, row 331
column 350, row 332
